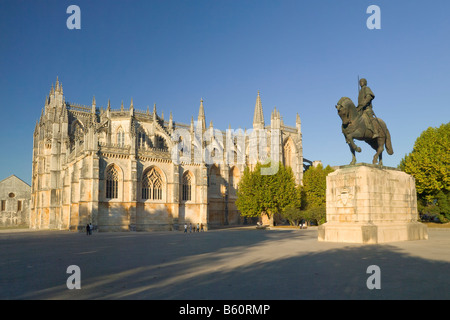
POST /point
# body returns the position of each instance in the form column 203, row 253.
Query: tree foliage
column 314, row 193
column 429, row 164
column 268, row 194
column 315, row 186
column 293, row 214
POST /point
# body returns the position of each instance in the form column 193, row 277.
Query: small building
column 15, row 196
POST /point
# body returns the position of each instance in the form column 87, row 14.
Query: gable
column 12, row 179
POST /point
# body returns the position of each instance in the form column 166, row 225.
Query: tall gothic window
column 160, row 142
column 120, row 137
column 187, row 187
column 78, row 133
column 233, row 181
column 288, row 155
column 152, row 185
column 215, row 182
column 112, row 183
column 141, row 139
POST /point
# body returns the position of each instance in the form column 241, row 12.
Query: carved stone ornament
column 345, row 196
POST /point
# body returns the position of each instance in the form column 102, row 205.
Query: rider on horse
column 364, row 107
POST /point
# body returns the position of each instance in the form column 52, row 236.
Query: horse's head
column 344, row 108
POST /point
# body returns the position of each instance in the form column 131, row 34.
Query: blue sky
column 303, row 56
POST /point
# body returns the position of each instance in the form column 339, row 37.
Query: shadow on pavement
column 227, row 264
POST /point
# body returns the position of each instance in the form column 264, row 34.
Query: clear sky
column 303, row 56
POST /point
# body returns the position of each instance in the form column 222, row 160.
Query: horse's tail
column 388, row 143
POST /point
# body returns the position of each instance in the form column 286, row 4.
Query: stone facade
column 369, row 204
column 126, row 169
column 15, row 197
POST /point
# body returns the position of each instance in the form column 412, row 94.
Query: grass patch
column 437, row 225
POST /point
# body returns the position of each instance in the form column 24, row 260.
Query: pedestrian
column 201, row 227
column 198, row 227
column 185, row 228
column 87, row 229
column 190, row 227
column 90, row 228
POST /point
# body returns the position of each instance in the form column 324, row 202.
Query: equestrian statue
column 361, row 123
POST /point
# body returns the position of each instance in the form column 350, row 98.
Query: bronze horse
column 354, row 127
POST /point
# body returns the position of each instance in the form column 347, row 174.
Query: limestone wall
column 14, row 202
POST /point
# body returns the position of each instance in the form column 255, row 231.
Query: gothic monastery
column 123, row 169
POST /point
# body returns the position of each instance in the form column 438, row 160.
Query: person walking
column 198, row 227
column 87, row 229
column 190, row 227
column 90, row 228
column 185, row 228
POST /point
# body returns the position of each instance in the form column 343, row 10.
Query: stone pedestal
column 371, row 204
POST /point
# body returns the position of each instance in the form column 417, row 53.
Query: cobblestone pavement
column 233, row 263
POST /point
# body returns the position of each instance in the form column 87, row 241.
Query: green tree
column 314, row 193
column 268, row 194
column 315, row 186
column 293, row 214
column 318, row 214
column 429, row 164
column 249, row 194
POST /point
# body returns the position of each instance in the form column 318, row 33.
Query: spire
column 36, row 127
column 109, row 106
column 93, row 104
column 201, row 115
column 275, row 114
column 121, row 106
column 258, row 116
column 298, row 125
column 131, row 108
column 154, row 109
column 41, row 120
column 57, row 84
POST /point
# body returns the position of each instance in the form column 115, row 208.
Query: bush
column 318, row 214
column 293, row 215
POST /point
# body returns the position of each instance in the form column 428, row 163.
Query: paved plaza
column 233, row 263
